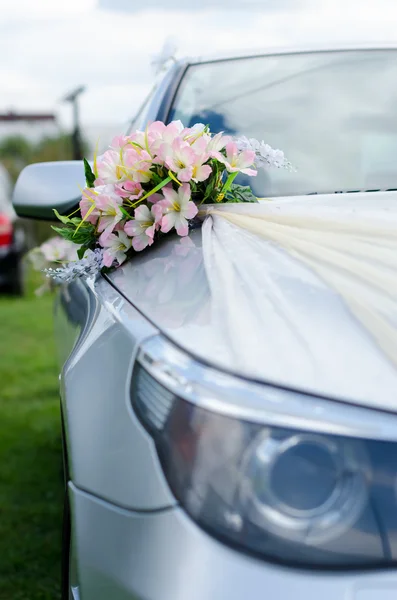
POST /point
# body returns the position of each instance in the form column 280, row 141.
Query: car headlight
column 271, row 471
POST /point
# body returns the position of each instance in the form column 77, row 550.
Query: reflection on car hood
column 168, row 284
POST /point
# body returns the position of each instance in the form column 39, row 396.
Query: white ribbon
column 263, row 260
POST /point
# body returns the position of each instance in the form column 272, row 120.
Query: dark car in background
column 11, row 242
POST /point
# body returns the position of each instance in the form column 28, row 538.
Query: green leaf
column 89, row 174
column 240, row 193
column 64, row 232
column 67, row 220
column 84, row 219
column 63, row 219
column 81, row 251
column 156, row 177
column 85, row 234
column 75, row 221
column 209, row 189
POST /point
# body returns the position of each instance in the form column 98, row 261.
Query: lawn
column 31, row 489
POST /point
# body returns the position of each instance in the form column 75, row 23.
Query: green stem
column 228, row 183
column 125, row 213
column 153, row 191
column 227, row 186
column 74, row 212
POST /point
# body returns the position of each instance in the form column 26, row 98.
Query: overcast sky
column 48, row 47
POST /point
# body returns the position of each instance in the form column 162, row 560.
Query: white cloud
column 43, row 9
column 194, row 6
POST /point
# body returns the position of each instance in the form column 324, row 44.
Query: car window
column 332, row 113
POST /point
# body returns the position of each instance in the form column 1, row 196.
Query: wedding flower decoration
column 50, row 256
column 152, row 182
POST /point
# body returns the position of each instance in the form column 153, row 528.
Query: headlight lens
column 294, row 496
column 302, row 487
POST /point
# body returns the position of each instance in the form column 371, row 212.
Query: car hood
column 168, row 284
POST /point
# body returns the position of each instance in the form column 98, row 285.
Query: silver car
column 185, row 480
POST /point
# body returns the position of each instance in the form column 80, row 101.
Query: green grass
column 31, row 488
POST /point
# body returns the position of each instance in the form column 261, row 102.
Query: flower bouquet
column 152, row 182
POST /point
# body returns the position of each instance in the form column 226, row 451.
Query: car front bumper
column 163, row 555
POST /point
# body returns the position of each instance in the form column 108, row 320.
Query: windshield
column 334, row 114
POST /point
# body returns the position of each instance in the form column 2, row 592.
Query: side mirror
column 44, row 186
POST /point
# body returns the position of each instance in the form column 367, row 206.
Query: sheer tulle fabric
column 277, row 270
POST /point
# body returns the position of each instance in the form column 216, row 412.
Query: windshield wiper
column 352, row 191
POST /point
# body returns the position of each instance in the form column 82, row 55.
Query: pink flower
column 193, row 133
column 58, row 249
column 159, row 134
column 88, row 203
column 180, row 158
column 119, row 142
column 110, row 213
column 128, row 162
column 217, row 143
column 201, row 172
column 143, row 227
column 136, row 163
column 119, row 226
column 235, row 161
column 109, row 167
column 177, row 208
column 134, row 140
column 162, row 136
column 154, row 198
column 129, row 189
column 116, row 246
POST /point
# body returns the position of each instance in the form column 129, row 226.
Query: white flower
column 143, row 227
column 109, row 169
column 265, row 155
column 110, row 212
column 37, row 259
column 55, row 249
column 86, row 267
column 177, row 208
column 217, row 143
column 116, row 245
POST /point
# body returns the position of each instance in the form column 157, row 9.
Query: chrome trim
column 75, row 595
column 236, row 397
column 293, row 49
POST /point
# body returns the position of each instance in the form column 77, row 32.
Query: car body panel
column 104, row 437
column 125, row 555
column 168, row 285
column 293, row 48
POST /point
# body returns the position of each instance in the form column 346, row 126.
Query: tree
column 16, row 152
